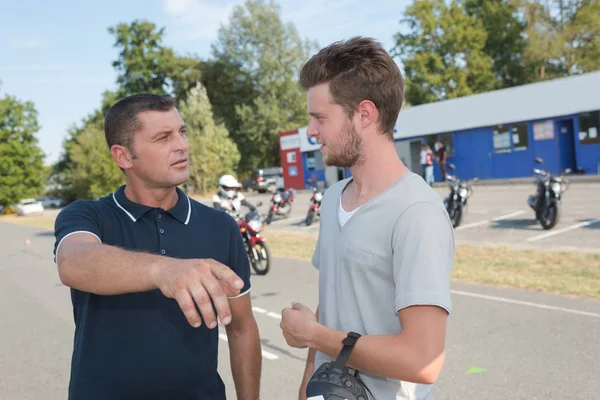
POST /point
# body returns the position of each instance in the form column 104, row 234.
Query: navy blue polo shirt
column 140, row 345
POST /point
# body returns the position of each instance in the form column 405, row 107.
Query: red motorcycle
column 315, row 206
column 257, row 248
column 281, row 204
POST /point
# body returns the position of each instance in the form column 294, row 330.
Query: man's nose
column 311, row 130
column 182, row 144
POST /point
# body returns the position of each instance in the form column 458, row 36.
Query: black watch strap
column 344, row 355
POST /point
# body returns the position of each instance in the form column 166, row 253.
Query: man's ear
column 368, row 113
column 122, row 156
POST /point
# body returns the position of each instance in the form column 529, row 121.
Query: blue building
column 499, row 134
column 491, row 135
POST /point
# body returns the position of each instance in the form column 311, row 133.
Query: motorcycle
column 259, row 253
column 281, row 204
column 457, row 200
column 546, row 201
column 315, row 206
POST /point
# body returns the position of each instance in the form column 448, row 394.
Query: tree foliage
column 443, row 53
column 212, row 152
column 21, row 159
column 93, row 170
column 259, row 57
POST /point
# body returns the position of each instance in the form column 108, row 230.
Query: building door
column 566, row 145
column 415, row 157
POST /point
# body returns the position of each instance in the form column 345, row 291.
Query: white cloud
column 25, row 42
column 200, row 19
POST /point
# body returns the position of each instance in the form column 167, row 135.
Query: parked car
column 51, row 202
column 30, row 207
column 267, row 179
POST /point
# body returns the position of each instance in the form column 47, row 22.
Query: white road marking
column 259, row 310
column 559, row 231
column 525, row 303
column 487, row 221
column 265, row 354
column 274, row 315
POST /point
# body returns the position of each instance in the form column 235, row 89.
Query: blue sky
column 58, row 54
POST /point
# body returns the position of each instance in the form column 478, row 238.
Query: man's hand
column 298, row 324
column 189, row 281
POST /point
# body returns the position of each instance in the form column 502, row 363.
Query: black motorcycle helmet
column 335, row 381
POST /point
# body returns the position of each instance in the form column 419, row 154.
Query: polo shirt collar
column 181, row 211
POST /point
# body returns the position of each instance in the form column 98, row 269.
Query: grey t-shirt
column 397, row 250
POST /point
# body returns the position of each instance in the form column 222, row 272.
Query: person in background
column 229, row 198
column 142, row 261
column 385, row 248
column 429, row 166
column 441, row 155
column 423, row 156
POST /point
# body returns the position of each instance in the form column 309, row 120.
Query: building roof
column 534, row 101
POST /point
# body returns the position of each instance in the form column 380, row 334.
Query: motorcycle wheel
column 456, row 215
column 288, row 209
column 310, row 217
column 261, row 265
column 269, row 217
column 550, row 216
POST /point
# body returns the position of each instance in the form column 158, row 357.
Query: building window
column 589, row 129
column 501, row 137
column 310, row 160
column 520, row 136
column 543, row 130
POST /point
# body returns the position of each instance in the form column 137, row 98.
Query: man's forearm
column 390, row 356
column 246, row 360
column 107, row 270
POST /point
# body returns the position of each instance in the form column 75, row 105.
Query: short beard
column 349, row 153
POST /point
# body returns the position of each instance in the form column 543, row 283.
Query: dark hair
column 121, row 120
column 358, row 69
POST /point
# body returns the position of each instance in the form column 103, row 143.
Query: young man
column 141, row 259
column 386, row 244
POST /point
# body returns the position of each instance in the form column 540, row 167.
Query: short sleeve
column 424, row 250
column 79, row 216
column 316, row 257
column 238, row 258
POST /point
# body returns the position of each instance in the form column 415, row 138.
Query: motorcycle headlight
column 277, row 198
column 462, row 192
column 255, row 225
column 556, row 187
column 318, row 196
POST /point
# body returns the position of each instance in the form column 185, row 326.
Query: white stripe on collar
column 121, row 207
column 187, row 220
column 189, row 210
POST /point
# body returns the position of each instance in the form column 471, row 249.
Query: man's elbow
column 432, row 367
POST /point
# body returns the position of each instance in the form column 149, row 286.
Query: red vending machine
column 291, row 159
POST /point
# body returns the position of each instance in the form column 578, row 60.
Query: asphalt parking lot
column 502, row 343
column 496, row 215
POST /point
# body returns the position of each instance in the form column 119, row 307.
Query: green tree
column 259, row 58
column 145, row 64
column 93, row 170
column 212, row 152
column 563, row 37
column 22, row 169
column 505, row 26
column 443, row 53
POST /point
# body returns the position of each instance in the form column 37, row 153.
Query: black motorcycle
column 315, row 206
column 281, row 204
column 457, row 200
column 546, row 201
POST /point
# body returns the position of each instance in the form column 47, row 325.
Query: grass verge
column 561, row 272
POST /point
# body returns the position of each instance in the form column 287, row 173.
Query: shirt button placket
column 160, row 239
